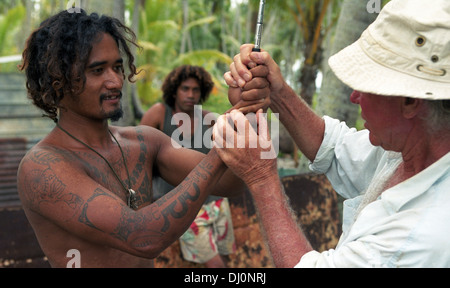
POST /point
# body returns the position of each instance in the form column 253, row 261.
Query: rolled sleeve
column 334, row 130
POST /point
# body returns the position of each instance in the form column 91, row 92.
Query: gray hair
column 438, row 116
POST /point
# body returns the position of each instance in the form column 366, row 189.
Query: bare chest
column 120, row 174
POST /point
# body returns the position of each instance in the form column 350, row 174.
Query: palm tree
column 312, row 23
column 161, row 29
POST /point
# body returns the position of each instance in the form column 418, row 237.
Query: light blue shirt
column 407, row 226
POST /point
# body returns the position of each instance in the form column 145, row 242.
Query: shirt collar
column 415, row 186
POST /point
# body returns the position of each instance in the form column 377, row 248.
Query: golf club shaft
column 259, row 26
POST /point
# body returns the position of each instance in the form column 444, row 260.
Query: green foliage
column 9, row 26
column 161, row 32
column 213, row 33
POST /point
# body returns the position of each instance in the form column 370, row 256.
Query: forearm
column 173, row 213
column 304, row 126
column 286, row 241
column 229, row 185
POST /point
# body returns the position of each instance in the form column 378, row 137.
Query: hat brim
column 360, row 72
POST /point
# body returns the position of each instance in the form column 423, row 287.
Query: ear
column 411, row 107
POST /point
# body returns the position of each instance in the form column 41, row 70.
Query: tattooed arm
column 174, row 164
column 61, row 198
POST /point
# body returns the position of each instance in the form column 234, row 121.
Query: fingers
column 235, row 124
column 240, row 68
column 255, row 93
column 235, row 131
column 252, row 106
column 224, row 133
column 260, row 71
column 220, row 132
column 257, row 84
column 244, row 63
column 240, row 72
column 230, row 80
column 250, row 80
column 263, row 127
column 264, row 139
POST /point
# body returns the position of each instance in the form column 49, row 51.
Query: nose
column 113, row 80
column 191, row 93
column 354, row 98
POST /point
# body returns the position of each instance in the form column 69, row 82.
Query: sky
column 235, row 2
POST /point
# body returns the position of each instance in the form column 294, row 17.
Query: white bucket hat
column 405, row 52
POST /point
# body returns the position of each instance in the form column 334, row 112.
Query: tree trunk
column 313, row 52
column 136, row 102
column 186, row 40
column 308, row 74
column 334, row 98
column 127, row 106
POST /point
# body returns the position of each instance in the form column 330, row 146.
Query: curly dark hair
column 56, row 55
column 181, row 74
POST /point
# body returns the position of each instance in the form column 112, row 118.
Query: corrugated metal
column 18, row 244
column 18, row 116
column 12, row 151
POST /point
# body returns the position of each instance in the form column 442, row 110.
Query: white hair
column 438, row 116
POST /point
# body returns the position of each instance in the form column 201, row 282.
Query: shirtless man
column 87, row 185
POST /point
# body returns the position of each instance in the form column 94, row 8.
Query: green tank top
column 169, row 130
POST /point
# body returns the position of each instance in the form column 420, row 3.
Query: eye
column 119, row 68
column 97, row 70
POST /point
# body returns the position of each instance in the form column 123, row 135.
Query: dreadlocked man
column 87, row 185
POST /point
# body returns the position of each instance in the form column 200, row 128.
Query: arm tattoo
column 44, row 187
column 170, row 210
column 83, row 216
column 202, row 172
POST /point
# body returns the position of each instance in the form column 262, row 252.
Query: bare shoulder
column 145, row 140
column 143, row 134
column 44, row 155
column 154, row 116
column 39, row 177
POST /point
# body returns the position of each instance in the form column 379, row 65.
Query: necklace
column 131, row 197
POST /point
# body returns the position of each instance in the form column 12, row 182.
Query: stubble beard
column 116, row 115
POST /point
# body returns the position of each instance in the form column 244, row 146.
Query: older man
column 396, row 173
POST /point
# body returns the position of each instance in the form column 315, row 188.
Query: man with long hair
column 87, row 185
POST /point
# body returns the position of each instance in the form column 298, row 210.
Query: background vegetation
column 299, row 34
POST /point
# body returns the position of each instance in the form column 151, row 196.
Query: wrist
column 265, row 183
column 215, row 158
column 281, row 95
